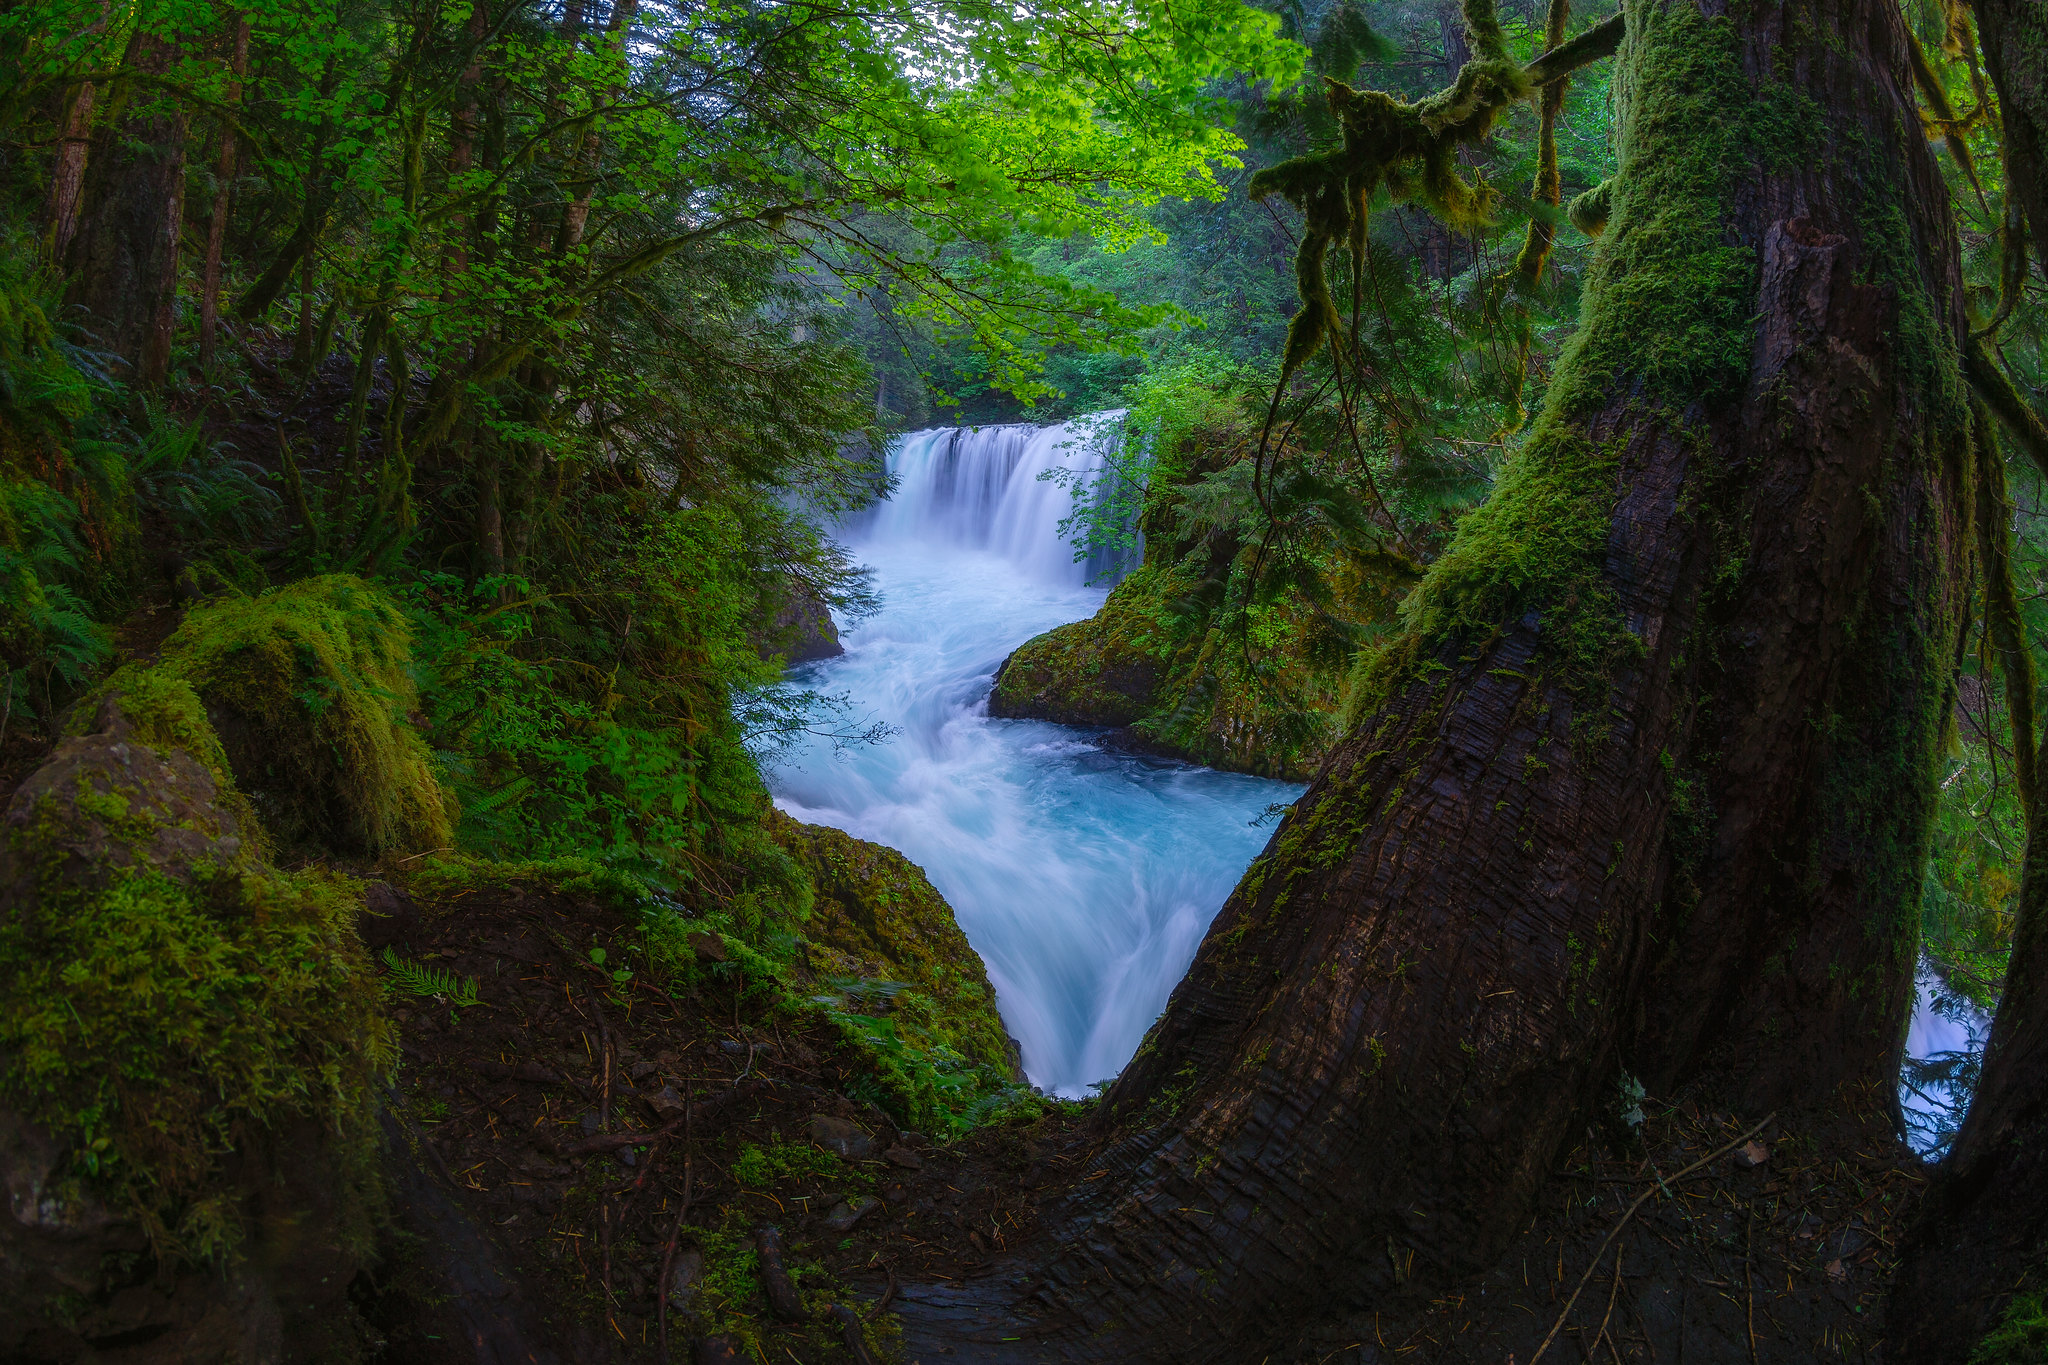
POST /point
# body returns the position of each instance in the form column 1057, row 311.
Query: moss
column 447, row 874
column 310, row 685
column 1590, row 210
column 1161, row 657
column 168, row 1024
column 1102, row 671
column 2021, row 1336
column 877, row 918
column 1668, row 310
column 167, row 715
column 782, row 1163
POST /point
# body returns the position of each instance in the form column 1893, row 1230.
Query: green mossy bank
column 1194, row 656
column 877, row 920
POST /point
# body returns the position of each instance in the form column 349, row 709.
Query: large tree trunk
column 1980, row 1243
column 124, row 258
column 1644, row 785
column 67, row 174
column 223, row 199
column 2015, row 37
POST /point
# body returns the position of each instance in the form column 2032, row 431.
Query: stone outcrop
column 192, row 1041
column 878, row 919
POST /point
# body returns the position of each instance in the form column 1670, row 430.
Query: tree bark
column 67, row 176
column 1646, row 782
column 462, row 131
column 223, row 196
column 124, row 258
column 2015, row 38
column 1981, row 1238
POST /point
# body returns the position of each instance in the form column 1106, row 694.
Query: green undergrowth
column 2021, row 1336
column 56, row 557
column 779, row 1163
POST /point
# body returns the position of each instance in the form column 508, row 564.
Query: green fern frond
column 430, row 982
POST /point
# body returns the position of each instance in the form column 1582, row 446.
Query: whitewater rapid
column 1084, row 878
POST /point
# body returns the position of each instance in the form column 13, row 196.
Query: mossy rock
column 191, row 1044
column 800, row 631
column 308, row 689
column 1153, row 665
column 877, row 918
column 1105, row 670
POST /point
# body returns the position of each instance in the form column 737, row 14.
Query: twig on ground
column 1615, row 1231
column 668, row 1254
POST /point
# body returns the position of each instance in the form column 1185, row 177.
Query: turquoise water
column 1085, row 878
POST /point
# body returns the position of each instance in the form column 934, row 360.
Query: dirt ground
column 544, row 1219
column 505, row 1102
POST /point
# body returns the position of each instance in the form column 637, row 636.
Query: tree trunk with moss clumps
column 1644, row 785
column 1972, row 1281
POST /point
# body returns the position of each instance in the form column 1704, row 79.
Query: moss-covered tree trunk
column 1645, row 784
column 1975, row 1265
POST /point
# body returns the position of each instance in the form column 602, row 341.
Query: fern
column 429, row 982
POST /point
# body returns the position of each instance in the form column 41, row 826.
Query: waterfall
column 1084, row 877
column 1000, row 489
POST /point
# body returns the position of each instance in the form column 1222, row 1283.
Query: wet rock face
column 802, row 631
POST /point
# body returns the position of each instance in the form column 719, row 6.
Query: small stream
column 1085, row 878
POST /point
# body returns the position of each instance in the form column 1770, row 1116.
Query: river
column 1084, row 877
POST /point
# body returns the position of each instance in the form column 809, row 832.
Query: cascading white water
column 986, row 488
column 1084, row 878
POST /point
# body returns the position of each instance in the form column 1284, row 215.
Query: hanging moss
column 1589, row 211
column 1410, row 150
column 310, row 689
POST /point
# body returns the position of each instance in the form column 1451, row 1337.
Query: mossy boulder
column 1102, row 671
column 877, row 919
column 190, row 1047
column 1156, row 665
column 307, row 690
